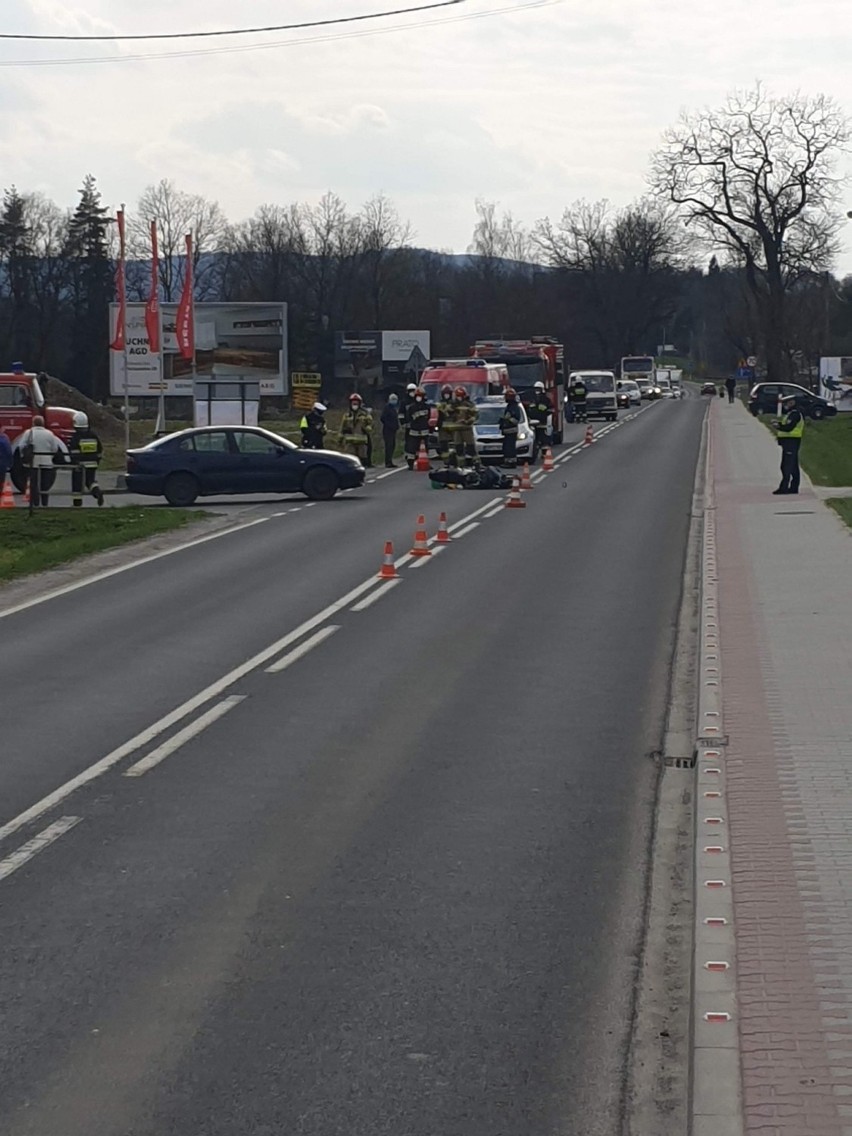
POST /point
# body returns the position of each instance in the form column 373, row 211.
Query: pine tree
column 92, row 288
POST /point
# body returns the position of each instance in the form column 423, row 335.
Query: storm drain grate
column 680, row 762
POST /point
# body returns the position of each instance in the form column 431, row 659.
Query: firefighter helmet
column 355, row 397
column 446, row 389
column 539, row 386
column 511, row 394
column 460, row 392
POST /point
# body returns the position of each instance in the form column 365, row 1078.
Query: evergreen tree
column 92, row 290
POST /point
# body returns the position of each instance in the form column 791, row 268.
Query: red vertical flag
column 152, row 308
column 186, row 313
column 120, row 339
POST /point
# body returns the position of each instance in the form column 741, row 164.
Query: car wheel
column 817, row 412
column 181, row 489
column 321, row 483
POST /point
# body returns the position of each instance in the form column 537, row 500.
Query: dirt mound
column 101, row 418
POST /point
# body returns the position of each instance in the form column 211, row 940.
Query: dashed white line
column 183, row 736
column 421, row 560
column 468, row 528
column 287, row 660
column 362, row 605
column 38, row 844
column 389, row 473
column 499, row 509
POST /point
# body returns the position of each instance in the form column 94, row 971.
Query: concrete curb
column 716, row 1076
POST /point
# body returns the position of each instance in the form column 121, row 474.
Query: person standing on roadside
column 5, row 458
column 789, row 431
column 446, row 415
column 313, row 427
column 38, row 447
column 731, row 387
column 390, row 429
column 86, row 451
column 538, row 412
column 417, row 417
column 356, row 429
column 510, row 423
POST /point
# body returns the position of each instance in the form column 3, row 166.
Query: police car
column 489, row 440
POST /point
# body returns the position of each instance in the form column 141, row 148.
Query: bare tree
column 382, row 236
column 620, row 269
column 177, row 213
column 756, row 178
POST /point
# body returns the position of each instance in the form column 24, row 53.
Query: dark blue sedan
column 213, row 460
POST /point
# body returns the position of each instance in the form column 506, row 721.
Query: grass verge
column 46, row 539
column 826, row 453
column 843, row 507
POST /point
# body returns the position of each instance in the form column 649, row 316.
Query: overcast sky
column 530, row 108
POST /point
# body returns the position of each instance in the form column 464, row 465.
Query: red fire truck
column 21, row 399
column 537, row 359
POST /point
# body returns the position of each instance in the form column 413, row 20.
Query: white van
column 601, row 399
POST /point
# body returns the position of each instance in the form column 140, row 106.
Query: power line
column 238, row 49
column 231, row 31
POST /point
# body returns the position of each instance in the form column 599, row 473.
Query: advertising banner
column 835, row 381
column 245, row 342
column 373, row 358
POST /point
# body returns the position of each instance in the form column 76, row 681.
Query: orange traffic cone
column 547, row 464
column 590, row 436
column 421, row 541
column 388, row 569
column 443, row 536
column 7, row 501
column 513, row 501
column 423, row 465
column 525, row 477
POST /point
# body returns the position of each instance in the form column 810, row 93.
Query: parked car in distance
column 764, row 397
column 708, row 388
column 631, row 388
column 489, row 440
column 211, row 460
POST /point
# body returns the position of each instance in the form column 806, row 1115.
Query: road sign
column 752, row 361
column 416, row 362
column 305, row 379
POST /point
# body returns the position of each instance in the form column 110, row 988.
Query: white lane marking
column 182, row 736
column 371, row 480
column 398, row 563
column 209, row 692
column 66, row 588
column 297, row 509
column 469, row 528
column 362, row 605
column 38, row 843
column 494, row 512
column 310, row 504
column 389, row 473
column 308, row 645
column 421, row 560
column 457, row 524
column 284, row 514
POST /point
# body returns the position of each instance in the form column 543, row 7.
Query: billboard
column 835, row 381
column 372, row 358
column 238, row 341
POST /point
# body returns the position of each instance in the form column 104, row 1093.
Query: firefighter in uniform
column 790, row 430
column 465, row 415
column 538, row 411
column 313, row 427
column 406, row 405
column 416, row 426
column 356, row 428
column 577, row 395
column 86, row 452
column 510, row 421
column 446, row 422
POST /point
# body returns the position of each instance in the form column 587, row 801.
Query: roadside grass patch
column 826, row 452
column 46, row 539
column 843, row 507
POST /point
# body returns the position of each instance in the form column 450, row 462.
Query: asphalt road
column 394, row 886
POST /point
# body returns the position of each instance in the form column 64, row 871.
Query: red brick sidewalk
column 786, row 655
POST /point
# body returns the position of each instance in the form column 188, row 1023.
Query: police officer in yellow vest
column 86, row 452
column 789, row 432
column 356, row 428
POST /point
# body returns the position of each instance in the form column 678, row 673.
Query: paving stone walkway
column 785, row 599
